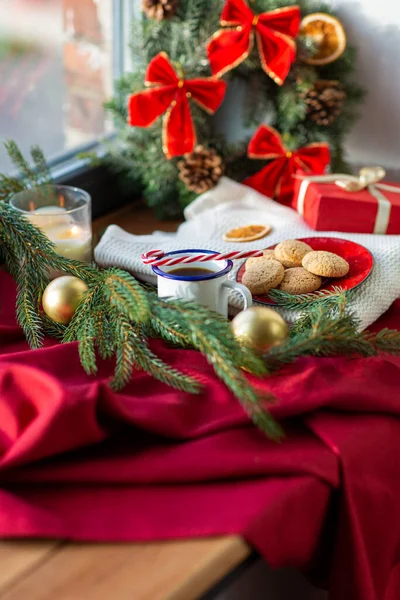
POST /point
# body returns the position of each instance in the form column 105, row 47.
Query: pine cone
column 201, row 169
column 325, row 101
column 159, row 9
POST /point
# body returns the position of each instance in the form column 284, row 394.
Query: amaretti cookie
column 291, row 252
column 298, row 280
column 325, row 264
column 255, row 261
column 264, row 276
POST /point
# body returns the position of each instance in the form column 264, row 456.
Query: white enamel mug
column 210, row 289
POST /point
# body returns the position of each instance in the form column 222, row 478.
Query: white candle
column 71, row 240
column 47, row 216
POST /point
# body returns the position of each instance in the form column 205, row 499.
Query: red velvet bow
column 276, row 179
column 274, row 33
column 170, row 95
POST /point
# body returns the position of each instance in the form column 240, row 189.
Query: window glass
column 56, row 59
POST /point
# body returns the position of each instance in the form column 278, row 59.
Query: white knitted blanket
column 230, row 205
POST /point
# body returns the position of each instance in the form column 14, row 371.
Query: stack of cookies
column 292, row 267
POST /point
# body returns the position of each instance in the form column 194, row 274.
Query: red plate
column 359, row 258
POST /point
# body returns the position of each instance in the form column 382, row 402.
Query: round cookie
column 291, row 252
column 264, row 276
column 298, row 280
column 267, row 255
column 325, row 264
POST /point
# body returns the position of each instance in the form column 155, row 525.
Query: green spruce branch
column 305, row 301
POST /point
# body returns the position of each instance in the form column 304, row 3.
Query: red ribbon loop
column 170, row 94
column 276, row 178
column 274, row 32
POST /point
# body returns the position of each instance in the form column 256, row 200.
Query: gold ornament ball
column 259, row 328
column 61, row 298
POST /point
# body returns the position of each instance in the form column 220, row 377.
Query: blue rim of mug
column 223, row 271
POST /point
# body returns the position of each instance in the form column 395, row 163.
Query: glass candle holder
column 63, row 213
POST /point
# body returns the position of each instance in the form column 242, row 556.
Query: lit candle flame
column 62, row 201
column 31, row 206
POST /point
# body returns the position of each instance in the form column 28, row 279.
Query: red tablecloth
column 82, row 462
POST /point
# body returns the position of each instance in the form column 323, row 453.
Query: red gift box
column 327, row 207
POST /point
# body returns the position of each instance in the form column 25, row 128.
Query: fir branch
column 9, row 186
column 20, row 162
column 291, row 110
column 51, row 328
column 41, row 165
column 27, row 308
column 86, row 346
column 171, row 333
column 104, row 333
column 386, row 341
column 126, row 295
column 305, row 301
column 330, row 305
column 146, row 360
column 253, row 403
column 336, row 335
column 132, row 351
column 90, row 302
column 124, row 352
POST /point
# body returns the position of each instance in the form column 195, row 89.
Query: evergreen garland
column 184, row 38
column 118, row 316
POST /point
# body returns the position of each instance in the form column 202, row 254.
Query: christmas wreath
column 270, row 62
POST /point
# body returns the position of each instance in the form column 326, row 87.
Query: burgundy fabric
column 82, row 462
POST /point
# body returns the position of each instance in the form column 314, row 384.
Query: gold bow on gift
column 367, row 176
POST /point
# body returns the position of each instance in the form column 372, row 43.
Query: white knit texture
column 230, row 205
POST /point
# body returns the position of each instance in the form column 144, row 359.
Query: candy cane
column 156, row 257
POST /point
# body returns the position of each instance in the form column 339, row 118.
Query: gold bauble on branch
column 61, row 298
column 259, row 328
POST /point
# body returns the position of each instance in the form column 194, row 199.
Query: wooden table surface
column 176, row 570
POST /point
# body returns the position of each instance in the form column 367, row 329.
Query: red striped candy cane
column 157, row 258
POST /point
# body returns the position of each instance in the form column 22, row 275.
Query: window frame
column 67, row 163
column 67, row 168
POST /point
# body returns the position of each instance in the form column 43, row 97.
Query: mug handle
column 242, row 289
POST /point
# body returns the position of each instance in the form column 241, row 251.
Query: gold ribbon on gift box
column 369, row 178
